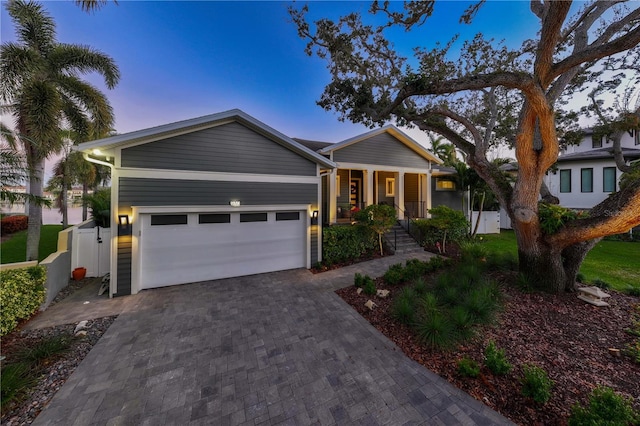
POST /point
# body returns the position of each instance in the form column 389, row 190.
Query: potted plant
column 79, row 273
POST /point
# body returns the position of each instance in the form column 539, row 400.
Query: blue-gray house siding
column 382, row 149
column 230, row 148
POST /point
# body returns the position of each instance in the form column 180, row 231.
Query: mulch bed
column 560, row 333
column 56, row 371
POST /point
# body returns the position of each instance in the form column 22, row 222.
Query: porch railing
column 415, row 209
column 409, row 225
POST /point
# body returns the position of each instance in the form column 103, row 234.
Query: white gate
column 489, row 222
column 91, row 249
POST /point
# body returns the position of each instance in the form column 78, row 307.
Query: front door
column 355, row 194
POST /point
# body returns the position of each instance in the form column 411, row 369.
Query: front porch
column 350, row 190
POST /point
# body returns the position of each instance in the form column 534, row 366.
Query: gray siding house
column 213, row 197
column 225, row 195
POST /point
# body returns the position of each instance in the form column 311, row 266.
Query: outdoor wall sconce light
column 124, row 226
column 314, row 217
column 234, row 203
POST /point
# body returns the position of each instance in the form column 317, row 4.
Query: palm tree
column 444, row 150
column 41, row 89
column 14, row 171
column 92, row 5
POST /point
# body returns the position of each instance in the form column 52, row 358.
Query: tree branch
column 593, row 53
column 616, row 214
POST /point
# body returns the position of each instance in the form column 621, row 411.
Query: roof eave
column 201, row 123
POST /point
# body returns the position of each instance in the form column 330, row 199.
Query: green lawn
column 615, row 262
column 15, row 249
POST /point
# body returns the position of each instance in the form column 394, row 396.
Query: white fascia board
column 138, row 210
column 152, row 134
column 213, row 176
column 380, row 168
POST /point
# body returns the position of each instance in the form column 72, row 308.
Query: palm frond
column 74, row 59
column 34, row 26
column 16, row 64
column 92, row 101
column 92, row 5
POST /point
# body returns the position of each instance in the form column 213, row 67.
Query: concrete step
column 403, row 241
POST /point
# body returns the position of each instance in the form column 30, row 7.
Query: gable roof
column 313, row 145
column 200, row 123
column 393, row 131
column 598, row 154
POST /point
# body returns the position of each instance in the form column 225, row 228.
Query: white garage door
column 191, row 247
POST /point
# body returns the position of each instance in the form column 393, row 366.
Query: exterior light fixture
column 234, row 203
column 314, row 217
column 97, row 152
column 124, row 226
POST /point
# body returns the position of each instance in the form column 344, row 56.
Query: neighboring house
column 586, row 173
column 383, row 166
column 225, row 195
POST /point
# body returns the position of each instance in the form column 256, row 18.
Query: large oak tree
column 487, row 94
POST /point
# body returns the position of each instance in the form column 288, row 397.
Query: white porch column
column 332, row 195
column 424, row 192
column 428, row 193
column 400, row 194
column 369, row 186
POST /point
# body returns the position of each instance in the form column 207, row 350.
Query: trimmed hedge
column 345, row 243
column 11, row 224
column 444, row 221
column 21, row 293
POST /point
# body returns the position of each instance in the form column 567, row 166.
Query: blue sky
column 182, row 59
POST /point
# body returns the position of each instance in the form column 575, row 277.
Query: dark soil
column 567, row 337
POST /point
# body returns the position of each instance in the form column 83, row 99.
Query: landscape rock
column 370, row 304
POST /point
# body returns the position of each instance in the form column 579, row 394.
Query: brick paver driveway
column 277, row 348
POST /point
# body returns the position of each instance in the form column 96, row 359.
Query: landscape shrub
column 468, row 367
column 502, row 261
column 358, row 280
column 22, row 373
column 346, row 243
column 496, row 360
column 21, row 293
column 536, row 384
column 435, row 330
column 605, row 408
column 378, row 218
column 445, row 225
column 11, row 224
column 368, row 286
column 413, row 270
column 394, row 274
column 404, row 305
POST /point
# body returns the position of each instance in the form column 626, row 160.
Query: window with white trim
column 596, row 141
column 445, row 185
column 609, row 179
column 390, row 187
column 586, row 180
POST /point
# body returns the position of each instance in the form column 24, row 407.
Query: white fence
column 91, row 249
column 489, row 222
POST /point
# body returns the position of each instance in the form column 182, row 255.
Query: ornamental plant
column 21, row 293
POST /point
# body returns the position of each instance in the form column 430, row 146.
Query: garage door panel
column 177, row 254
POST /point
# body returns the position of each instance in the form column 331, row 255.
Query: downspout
column 93, row 160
